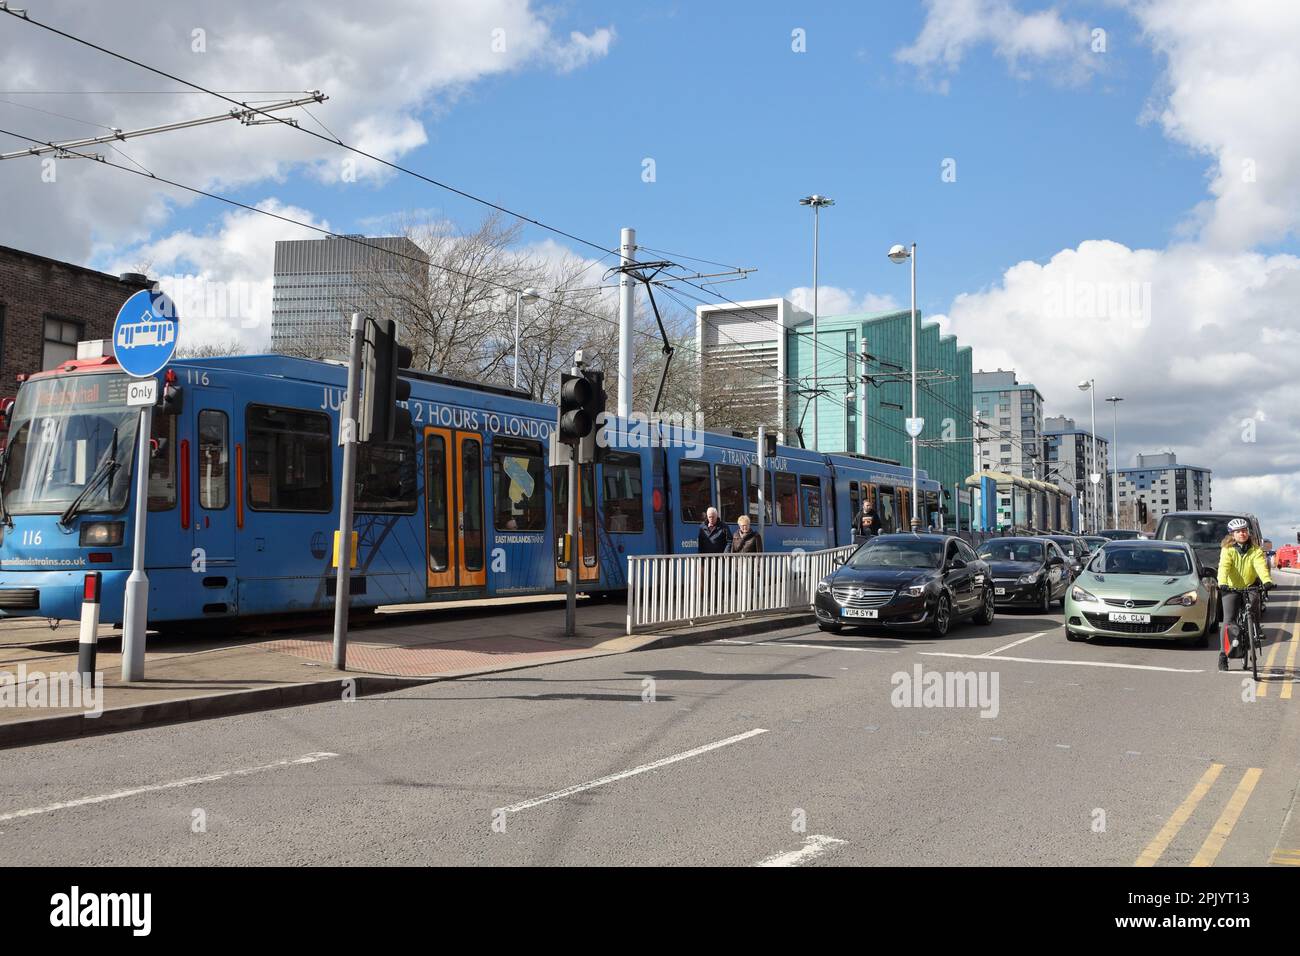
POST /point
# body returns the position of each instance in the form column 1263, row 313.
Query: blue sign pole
column 144, row 340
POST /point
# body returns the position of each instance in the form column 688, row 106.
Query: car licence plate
column 861, row 612
column 999, row 590
column 1121, row 617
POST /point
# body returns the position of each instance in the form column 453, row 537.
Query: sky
column 1105, row 189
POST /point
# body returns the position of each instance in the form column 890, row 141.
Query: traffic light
column 1142, row 512
column 588, row 448
column 169, row 402
column 576, row 422
column 382, row 419
column 769, row 443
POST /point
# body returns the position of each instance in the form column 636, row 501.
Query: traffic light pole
column 348, row 438
column 571, row 588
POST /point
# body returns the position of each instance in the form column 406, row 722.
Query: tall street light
column 899, row 255
column 816, row 202
column 1114, row 459
column 521, row 296
column 1090, row 385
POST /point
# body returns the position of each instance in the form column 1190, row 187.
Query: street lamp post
column 1114, row 458
column 521, row 296
column 816, row 202
column 899, row 255
column 1089, row 385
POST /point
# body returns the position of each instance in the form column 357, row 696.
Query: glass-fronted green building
column 853, row 416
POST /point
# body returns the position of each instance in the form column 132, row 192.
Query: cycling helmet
column 1237, row 524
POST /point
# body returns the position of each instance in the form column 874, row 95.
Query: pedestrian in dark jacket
column 867, row 522
column 715, row 536
column 746, row 540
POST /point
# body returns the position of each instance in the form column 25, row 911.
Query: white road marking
column 1035, row 660
column 813, row 847
column 819, row 647
column 1013, row 644
column 170, row 785
column 623, row 775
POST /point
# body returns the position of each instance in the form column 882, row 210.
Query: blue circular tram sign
column 145, row 333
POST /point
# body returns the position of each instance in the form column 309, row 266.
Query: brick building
column 47, row 306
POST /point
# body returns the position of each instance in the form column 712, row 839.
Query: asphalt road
column 789, row 748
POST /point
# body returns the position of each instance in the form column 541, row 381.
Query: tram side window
column 624, row 509
column 214, row 460
column 731, row 493
column 787, row 498
column 751, row 490
column 885, row 509
column 855, row 508
column 288, row 460
column 810, row 493
column 518, row 485
column 693, row 477
column 386, row 482
column 162, row 464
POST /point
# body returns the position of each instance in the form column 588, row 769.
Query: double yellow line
column 1293, row 644
column 1222, row 828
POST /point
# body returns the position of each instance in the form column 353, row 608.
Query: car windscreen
column 1199, row 532
column 1163, row 562
column 1012, row 551
column 898, row 554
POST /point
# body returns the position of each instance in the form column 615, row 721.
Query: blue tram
column 243, row 494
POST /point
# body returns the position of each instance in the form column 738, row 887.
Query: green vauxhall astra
column 1141, row 588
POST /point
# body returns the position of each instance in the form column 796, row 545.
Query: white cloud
column 1194, row 355
column 953, row 27
column 1229, row 91
column 833, row 300
column 387, row 66
column 1199, row 337
column 221, row 280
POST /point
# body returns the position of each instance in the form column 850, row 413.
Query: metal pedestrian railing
column 664, row 590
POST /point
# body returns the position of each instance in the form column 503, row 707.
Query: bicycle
column 1248, row 624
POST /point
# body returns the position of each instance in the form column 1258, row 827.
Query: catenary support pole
column 626, row 320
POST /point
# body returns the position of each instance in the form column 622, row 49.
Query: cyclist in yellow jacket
column 1242, row 562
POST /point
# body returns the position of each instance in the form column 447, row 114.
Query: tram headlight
column 101, row 534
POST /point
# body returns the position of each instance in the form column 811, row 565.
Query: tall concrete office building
column 1009, row 441
column 320, row 282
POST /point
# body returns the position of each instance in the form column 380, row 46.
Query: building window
column 61, row 338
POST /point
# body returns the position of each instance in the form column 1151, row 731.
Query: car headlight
column 101, row 534
column 1079, row 594
column 1186, row 600
column 1030, row 578
column 823, row 587
column 916, row 590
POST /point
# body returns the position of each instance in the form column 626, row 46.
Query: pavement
column 191, row 678
column 786, row 748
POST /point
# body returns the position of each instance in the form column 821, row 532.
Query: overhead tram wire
column 361, row 242
column 544, row 297
column 23, row 17
column 198, row 88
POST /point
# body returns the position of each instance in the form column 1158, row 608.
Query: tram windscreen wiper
column 107, row 468
column 5, row 518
